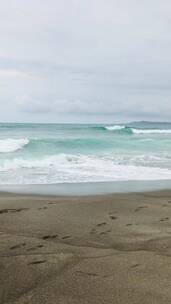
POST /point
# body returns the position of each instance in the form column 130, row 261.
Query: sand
column 97, row 249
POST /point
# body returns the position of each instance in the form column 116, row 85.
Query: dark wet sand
column 99, row 249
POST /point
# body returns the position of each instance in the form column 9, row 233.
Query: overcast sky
column 85, row 60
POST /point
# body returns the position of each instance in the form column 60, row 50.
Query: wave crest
column 120, row 129
column 131, row 130
column 115, row 128
column 151, row 131
column 11, row 145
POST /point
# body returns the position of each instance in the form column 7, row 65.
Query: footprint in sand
column 34, row 248
column 54, row 236
column 105, row 232
column 135, row 265
column 113, row 217
column 139, row 208
column 101, row 224
column 37, row 262
column 98, row 229
column 46, row 237
column 164, row 219
column 18, row 246
column 93, row 231
column 166, row 205
column 87, row 273
column 13, row 210
column 66, row 237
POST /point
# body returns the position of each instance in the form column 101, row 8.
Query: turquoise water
column 57, row 153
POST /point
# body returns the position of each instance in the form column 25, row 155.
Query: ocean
column 76, row 153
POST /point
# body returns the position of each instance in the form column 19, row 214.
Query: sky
column 85, row 60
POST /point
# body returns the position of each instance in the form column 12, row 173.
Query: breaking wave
column 11, row 145
column 115, row 128
column 151, row 131
column 130, row 130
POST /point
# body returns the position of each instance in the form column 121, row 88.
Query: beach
column 85, row 249
column 85, row 152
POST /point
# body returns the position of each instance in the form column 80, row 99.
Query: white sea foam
column 12, row 145
column 150, row 131
column 71, row 168
column 114, row 128
column 138, row 131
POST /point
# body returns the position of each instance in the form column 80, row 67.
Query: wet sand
column 97, row 249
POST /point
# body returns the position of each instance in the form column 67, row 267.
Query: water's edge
column 95, row 188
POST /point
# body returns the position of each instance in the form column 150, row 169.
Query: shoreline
column 88, row 189
column 113, row 248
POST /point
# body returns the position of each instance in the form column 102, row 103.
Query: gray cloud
column 85, row 60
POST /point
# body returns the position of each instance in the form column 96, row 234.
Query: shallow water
column 92, row 188
column 58, row 153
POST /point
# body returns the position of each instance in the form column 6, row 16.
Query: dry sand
column 97, row 249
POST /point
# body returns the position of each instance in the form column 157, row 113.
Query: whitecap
column 151, row 131
column 11, row 145
column 114, row 128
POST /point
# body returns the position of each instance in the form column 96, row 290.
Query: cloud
column 32, row 105
column 85, row 60
column 132, row 107
column 11, row 73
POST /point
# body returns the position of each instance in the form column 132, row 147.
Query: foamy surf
column 127, row 129
column 11, row 145
column 150, row 131
column 50, row 154
column 71, row 168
